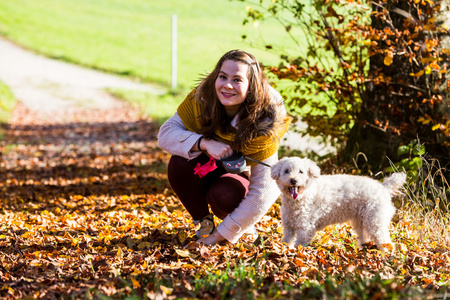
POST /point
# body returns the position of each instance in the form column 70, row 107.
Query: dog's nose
column 293, row 181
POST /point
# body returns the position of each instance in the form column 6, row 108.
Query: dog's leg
column 288, row 220
column 304, row 237
column 367, row 236
column 288, row 234
column 378, row 224
column 381, row 235
column 382, row 238
column 361, row 234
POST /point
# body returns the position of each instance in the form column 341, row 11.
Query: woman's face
column 232, row 85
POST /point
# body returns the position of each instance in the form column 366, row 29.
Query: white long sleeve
column 175, row 138
column 263, row 192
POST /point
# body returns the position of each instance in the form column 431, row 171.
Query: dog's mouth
column 294, row 191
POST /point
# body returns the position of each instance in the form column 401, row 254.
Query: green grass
column 7, row 103
column 133, row 37
column 166, row 103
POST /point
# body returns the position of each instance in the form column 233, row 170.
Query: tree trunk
column 392, row 105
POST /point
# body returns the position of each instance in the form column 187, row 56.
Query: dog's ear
column 276, row 169
column 314, row 170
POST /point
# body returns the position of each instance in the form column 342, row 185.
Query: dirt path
column 50, row 88
column 64, row 118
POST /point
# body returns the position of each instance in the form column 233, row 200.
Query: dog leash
column 257, row 161
column 234, row 164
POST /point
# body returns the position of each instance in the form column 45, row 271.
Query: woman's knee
column 225, row 194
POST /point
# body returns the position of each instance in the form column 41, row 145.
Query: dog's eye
column 286, row 171
column 300, row 171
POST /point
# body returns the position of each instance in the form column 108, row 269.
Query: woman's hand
column 212, row 239
column 216, row 149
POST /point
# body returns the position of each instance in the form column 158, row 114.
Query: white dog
column 311, row 202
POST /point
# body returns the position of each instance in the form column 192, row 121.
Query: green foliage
column 324, row 82
column 358, row 287
column 367, row 65
column 243, row 281
column 237, row 282
column 411, row 156
column 430, row 188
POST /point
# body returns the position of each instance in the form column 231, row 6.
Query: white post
column 174, row 52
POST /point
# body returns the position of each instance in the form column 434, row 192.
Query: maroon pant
column 221, row 190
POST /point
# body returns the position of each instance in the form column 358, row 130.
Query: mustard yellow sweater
column 260, row 148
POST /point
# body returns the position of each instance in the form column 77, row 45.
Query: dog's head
column 293, row 174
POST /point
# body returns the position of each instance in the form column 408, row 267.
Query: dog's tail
column 395, row 182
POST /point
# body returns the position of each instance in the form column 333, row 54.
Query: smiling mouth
column 227, row 95
column 294, row 191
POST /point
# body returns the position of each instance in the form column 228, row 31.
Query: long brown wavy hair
column 258, row 114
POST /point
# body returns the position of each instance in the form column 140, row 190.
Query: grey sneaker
column 251, row 234
column 207, row 226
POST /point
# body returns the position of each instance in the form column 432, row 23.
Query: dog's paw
column 301, row 243
column 291, row 247
column 387, row 248
column 286, row 240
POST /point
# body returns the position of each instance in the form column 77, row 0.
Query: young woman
column 233, row 109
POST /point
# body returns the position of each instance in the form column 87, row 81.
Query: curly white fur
column 311, row 201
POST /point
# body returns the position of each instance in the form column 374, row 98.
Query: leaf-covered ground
column 87, row 212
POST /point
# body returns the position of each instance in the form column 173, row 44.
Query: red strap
column 206, row 168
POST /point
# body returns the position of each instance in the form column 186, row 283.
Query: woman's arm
column 175, row 138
